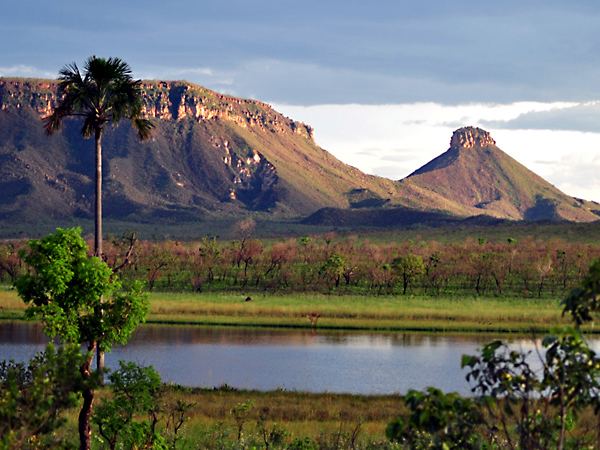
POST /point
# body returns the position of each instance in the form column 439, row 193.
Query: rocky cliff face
column 39, row 95
column 470, row 137
column 165, row 100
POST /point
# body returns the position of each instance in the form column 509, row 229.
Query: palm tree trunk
column 98, row 218
column 98, row 234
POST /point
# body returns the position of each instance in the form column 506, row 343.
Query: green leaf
column 468, row 360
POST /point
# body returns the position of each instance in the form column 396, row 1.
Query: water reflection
column 243, row 336
column 290, row 359
column 21, row 333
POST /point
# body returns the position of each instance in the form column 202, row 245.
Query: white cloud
column 21, row 70
column 395, row 140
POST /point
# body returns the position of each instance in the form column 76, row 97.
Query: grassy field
column 210, row 422
column 301, row 414
column 332, row 421
column 407, row 313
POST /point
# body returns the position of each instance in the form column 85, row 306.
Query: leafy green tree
column 104, row 94
column 65, row 289
column 571, row 379
column 129, row 418
column 532, row 410
column 409, row 267
column 437, row 421
column 583, row 302
column 506, row 386
column 333, row 268
column 33, row 398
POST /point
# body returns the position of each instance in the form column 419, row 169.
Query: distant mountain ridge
column 210, row 154
column 214, row 155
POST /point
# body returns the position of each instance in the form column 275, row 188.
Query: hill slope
column 211, row 154
column 481, row 179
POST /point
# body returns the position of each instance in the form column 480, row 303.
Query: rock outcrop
column 469, row 137
column 475, row 175
column 165, row 100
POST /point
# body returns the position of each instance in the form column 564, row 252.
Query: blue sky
column 315, row 52
column 436, row 58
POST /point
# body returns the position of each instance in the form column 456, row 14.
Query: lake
column 302, row 360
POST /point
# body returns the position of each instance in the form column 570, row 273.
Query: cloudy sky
column 384, row 83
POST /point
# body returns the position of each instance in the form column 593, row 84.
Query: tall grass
column 343, row 312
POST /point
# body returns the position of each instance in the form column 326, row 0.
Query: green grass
column 301, row 414
column 360, row 312
column 323, row 417
column 352, row 312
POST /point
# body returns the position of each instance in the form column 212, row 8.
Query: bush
column 34, row 398
column 437, row 421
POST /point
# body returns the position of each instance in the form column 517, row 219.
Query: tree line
column 326, row 263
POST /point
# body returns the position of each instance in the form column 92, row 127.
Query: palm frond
column 52, row 123
column 143, row 127
column 65, row 108
column 106, row 72
column 89, row 127
column 120, row 69
column 105, row 92
column 69, row 75
column 126, row 99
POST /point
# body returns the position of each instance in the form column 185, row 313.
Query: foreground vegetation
column 83, row 304
column 211, row 418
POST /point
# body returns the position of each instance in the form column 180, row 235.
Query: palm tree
column 104, row 94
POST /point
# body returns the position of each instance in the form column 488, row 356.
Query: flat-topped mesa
column 163, row 100
column 469, row 137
